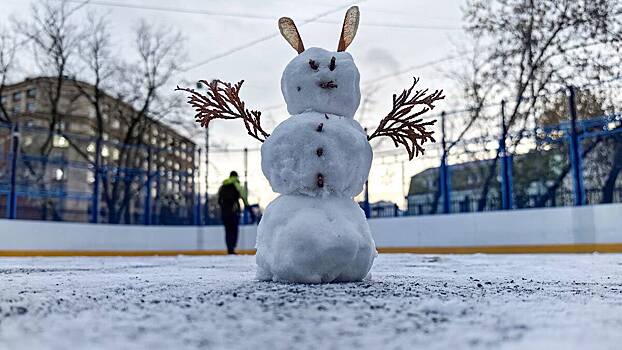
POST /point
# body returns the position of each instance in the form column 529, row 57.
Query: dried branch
column 402, row 124
column 222, row 101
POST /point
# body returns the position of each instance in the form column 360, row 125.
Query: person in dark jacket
column 229, row 196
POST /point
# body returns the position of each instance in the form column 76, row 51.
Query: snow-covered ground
column 413, row 301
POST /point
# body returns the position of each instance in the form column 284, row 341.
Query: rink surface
column 413, row 301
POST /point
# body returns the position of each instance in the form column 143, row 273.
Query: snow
column 313, row 240
column 412, row 301
column 300, row 83
column 290, row 161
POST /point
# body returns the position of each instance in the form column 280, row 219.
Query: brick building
column 144, row 162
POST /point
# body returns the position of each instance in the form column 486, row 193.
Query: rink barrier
column 510, row 249
column 553, row 230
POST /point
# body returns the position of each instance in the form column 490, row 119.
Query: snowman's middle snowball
column 309, row 146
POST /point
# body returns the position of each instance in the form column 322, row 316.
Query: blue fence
column 576, row 161
column 68, row 177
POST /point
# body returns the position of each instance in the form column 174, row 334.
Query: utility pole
column 444, row 171
column 404, row 194
column 245, row 217
column 506, row 165
column 196, row 177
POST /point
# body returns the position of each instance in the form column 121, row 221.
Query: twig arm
column 222, row 101
column 403, row 125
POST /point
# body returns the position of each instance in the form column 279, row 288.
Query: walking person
column 229, row 195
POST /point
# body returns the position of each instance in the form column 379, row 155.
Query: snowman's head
column 321, row 80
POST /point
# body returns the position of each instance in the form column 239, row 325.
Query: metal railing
column 574, row 162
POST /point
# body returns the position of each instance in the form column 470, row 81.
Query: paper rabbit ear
column 290, row 33
column 350, row 25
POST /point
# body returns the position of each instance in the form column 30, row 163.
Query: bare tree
column 53, row 37
column 536, row 48
column 131, row 93
column 8, row 50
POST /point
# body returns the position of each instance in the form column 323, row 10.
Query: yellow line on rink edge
column 501, row 249
column 60, row 253
column 511, row 249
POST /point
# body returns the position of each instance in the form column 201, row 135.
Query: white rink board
column 569, row 225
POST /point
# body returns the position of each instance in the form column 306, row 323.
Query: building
column 532, row 174
column 146, row 171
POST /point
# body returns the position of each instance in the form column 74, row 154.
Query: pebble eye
column 314, row 65
column 332, row 64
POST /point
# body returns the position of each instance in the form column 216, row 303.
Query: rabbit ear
column 350, row 25
column 290, row 33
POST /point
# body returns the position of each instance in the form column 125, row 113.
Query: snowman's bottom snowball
column 314, row 240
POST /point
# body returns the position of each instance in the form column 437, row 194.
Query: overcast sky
column 396, row 40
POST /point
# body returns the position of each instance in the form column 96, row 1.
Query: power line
column 413, row 67
column 173, row 9
column 215, row 13
column 390, row 75
column 265, row 38
column 315, row 19
column 250, row 16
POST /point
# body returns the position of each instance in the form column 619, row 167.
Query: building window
column 27, row 140
column 31, row 106
column 32, row 92
column 59, row 174
column 17, row 109
column 60, row 142
column 471, row 179
column 92, row 113
column 114, row 124
column 2, row 99
column 17, row 96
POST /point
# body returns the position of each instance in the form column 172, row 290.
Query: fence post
column 12, row 200
column 96, row 170
column 575, row 151
column 62, row 195
column 147, row 210
column 366, row 206
column 245, row 215
column 444, row 171
column 196, row 175
column 506, row 175
column 157, row 197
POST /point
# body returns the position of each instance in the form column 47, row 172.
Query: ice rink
column 413, row 301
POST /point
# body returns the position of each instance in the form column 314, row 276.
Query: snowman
column 318, row 160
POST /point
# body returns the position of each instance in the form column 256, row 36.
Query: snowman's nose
column 328, row 84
